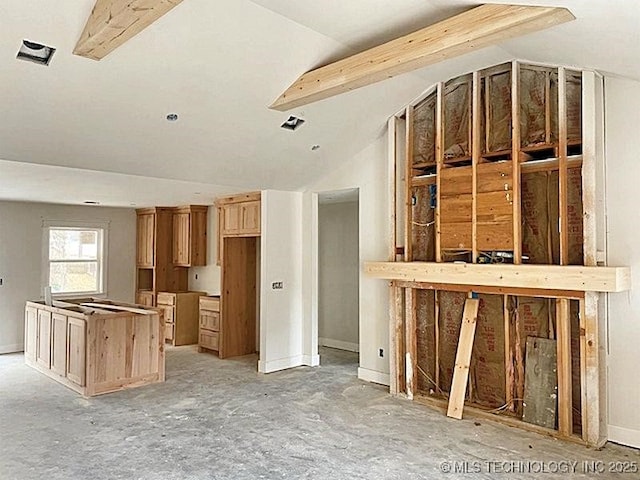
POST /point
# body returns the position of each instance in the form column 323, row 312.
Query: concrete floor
column 215, row 419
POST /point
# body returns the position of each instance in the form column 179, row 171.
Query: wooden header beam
column 477, row 28
column 113, row 22
column 548, row 277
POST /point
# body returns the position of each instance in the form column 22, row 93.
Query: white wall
column 338, row 275
column 622, row 117
column 208, row 276
column 21, row 251
column 368, row 172
column 281, row 311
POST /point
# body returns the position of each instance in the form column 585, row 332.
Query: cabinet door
column 250, row 217
column 144, row 298
column 76, row 348
column 181, row 243
column 43, row 347
column 59, row 344
column 30, row 333
column 145, row 240
column 232, row 219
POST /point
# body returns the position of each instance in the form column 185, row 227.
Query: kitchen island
column 95, row 346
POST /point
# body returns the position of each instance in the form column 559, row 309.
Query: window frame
column 102, row 229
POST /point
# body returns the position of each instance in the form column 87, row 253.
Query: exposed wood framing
column 492, row 290
column 439, row 162
column 475, row 152
column 114, row 22
column 563, row 345
column 463, row 358
column 393, row 311
column 562, row 164
column 408, row 199
column 551, row 277
column 411, row 372
column 476, row 28
column 515, row 155
column 508, row 359
column 398, row 381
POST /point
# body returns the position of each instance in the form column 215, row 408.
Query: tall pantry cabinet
column 168, row 241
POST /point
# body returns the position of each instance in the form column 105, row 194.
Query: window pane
column 73, row 277
column 73, row 244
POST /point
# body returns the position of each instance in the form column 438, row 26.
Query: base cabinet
column 209, row 328
column 180, row 316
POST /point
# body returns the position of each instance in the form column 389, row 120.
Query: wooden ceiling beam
column 477, row 28
column 113, row 22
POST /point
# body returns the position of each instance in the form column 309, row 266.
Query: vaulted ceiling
column 85, row 130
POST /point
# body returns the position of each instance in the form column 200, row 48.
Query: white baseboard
column 311, row 360
column 15, row 348
column 373, row 376
column 624, row 436
column 280, row 364
column 339, row 344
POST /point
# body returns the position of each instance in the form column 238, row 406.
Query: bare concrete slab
column 220, row 419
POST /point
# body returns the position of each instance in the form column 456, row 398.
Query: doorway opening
column 339, row 272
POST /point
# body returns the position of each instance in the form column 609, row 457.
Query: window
column 74, row 259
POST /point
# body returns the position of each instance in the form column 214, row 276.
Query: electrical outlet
column 277, row 286
column 1, row 281
column 196, row 276
column 381, row 353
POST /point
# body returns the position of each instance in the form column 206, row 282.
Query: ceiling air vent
column 292, row 123
column 35, row 52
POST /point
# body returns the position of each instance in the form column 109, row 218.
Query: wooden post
column 439, row 162
column 408, row 199
column 436, row 326
column 463, row 358
column 508, row 363
column 515, row 156
column 397, row 360
column 411, row 372
column 391, row 169
column 562, row 167
column 563, row 339
column 475, row 158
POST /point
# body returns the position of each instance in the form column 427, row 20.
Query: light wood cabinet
column 59, row 343
column 145, row 298
column 238, row 216
column 145, row 240
column 209, row 328
column 190, row 236
column 30, row 334
column 76, row 344
column 180, row 316
column 97, row 347
column 43, row 342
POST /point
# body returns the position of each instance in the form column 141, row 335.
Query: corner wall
column 368, row 172
column 21, row 250
column 622, row 143
column 281, row 310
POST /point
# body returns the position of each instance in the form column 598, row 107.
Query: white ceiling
column 218, row 65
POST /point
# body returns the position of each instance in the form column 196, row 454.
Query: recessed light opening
column 292, row 123
column 35, row 52
column 91, row 202
column 172, row 117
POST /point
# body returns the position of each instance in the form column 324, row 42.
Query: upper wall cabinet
column 241, row 218
column 190, row 236
column 145, row 239
column 238, row 216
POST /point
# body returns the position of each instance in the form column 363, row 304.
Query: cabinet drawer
column 210, row 320
column 168, row 313
column 168, row 331
column 210, row 303
column 166, row 298
column 209, row 339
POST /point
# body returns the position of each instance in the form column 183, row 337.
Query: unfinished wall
column 366, row 171
column 281, row 312
column 338, row 275
column 622, row 118
column 21, row 250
